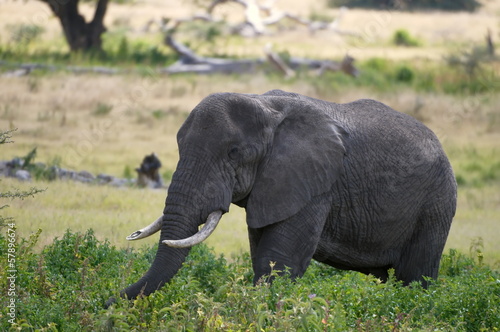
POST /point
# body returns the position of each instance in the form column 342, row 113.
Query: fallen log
column 24, row 69
column 191, row 62
column 346, row 65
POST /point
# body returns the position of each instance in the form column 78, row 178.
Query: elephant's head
column 268, row 153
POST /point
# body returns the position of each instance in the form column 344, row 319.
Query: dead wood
column 194, row 63
column 490, row 46
column 278, row 62
column 258, row 18
column 190, row 62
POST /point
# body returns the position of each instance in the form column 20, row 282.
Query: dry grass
column 113, row 213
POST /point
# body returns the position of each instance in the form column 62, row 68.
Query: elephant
column 358, row 186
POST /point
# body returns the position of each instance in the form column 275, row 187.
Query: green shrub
column 379, row 64
column 64, row 286
column 102, row 109
column 404, row 74
column 69, row 280
column 123, row 49
column 127, row 172
column 402, row 37
column 158, row 114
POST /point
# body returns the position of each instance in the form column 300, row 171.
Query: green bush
column 64, row 286
column 403, row 38
column 69, row 280
column 404, row 74
column 102, row 109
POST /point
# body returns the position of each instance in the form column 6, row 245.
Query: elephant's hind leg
column 420, row 258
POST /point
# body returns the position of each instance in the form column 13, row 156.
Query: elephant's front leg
column 290, row 243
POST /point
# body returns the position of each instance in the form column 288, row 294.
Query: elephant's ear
column 304, row 161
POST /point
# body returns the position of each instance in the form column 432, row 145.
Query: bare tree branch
column 276, row 60
column 257, row 19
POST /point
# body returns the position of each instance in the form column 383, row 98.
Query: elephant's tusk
column 146, row 231
column 207, row 229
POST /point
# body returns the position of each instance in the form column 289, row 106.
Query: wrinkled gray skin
column 357, row 186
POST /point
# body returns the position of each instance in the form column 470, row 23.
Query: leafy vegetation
column 64, row 287
column 117, row 50
column 403, row 38
column 382, row 75
column 102, row 109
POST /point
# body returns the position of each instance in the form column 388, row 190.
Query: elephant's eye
column 234, row 153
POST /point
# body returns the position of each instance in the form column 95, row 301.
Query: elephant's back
column 379, row 132
column 374, row 120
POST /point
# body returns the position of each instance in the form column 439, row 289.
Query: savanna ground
column 106, row 124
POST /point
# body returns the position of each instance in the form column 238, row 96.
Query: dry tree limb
column 313, row 26
column 194, row 63
column 191, row 62
column 345, row 66
column 24, row 69
column 276, row 60
column 255, row 23
column 490, row 46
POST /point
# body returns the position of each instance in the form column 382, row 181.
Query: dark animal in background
column 357, row 186
column 148, row 174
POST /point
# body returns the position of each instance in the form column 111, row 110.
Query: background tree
column 79, row 34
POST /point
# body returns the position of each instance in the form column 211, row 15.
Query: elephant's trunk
column 187, row 206
column 168, row 260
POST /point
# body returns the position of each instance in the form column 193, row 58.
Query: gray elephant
column 357, row 186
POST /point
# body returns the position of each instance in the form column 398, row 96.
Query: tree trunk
column 79, row 34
